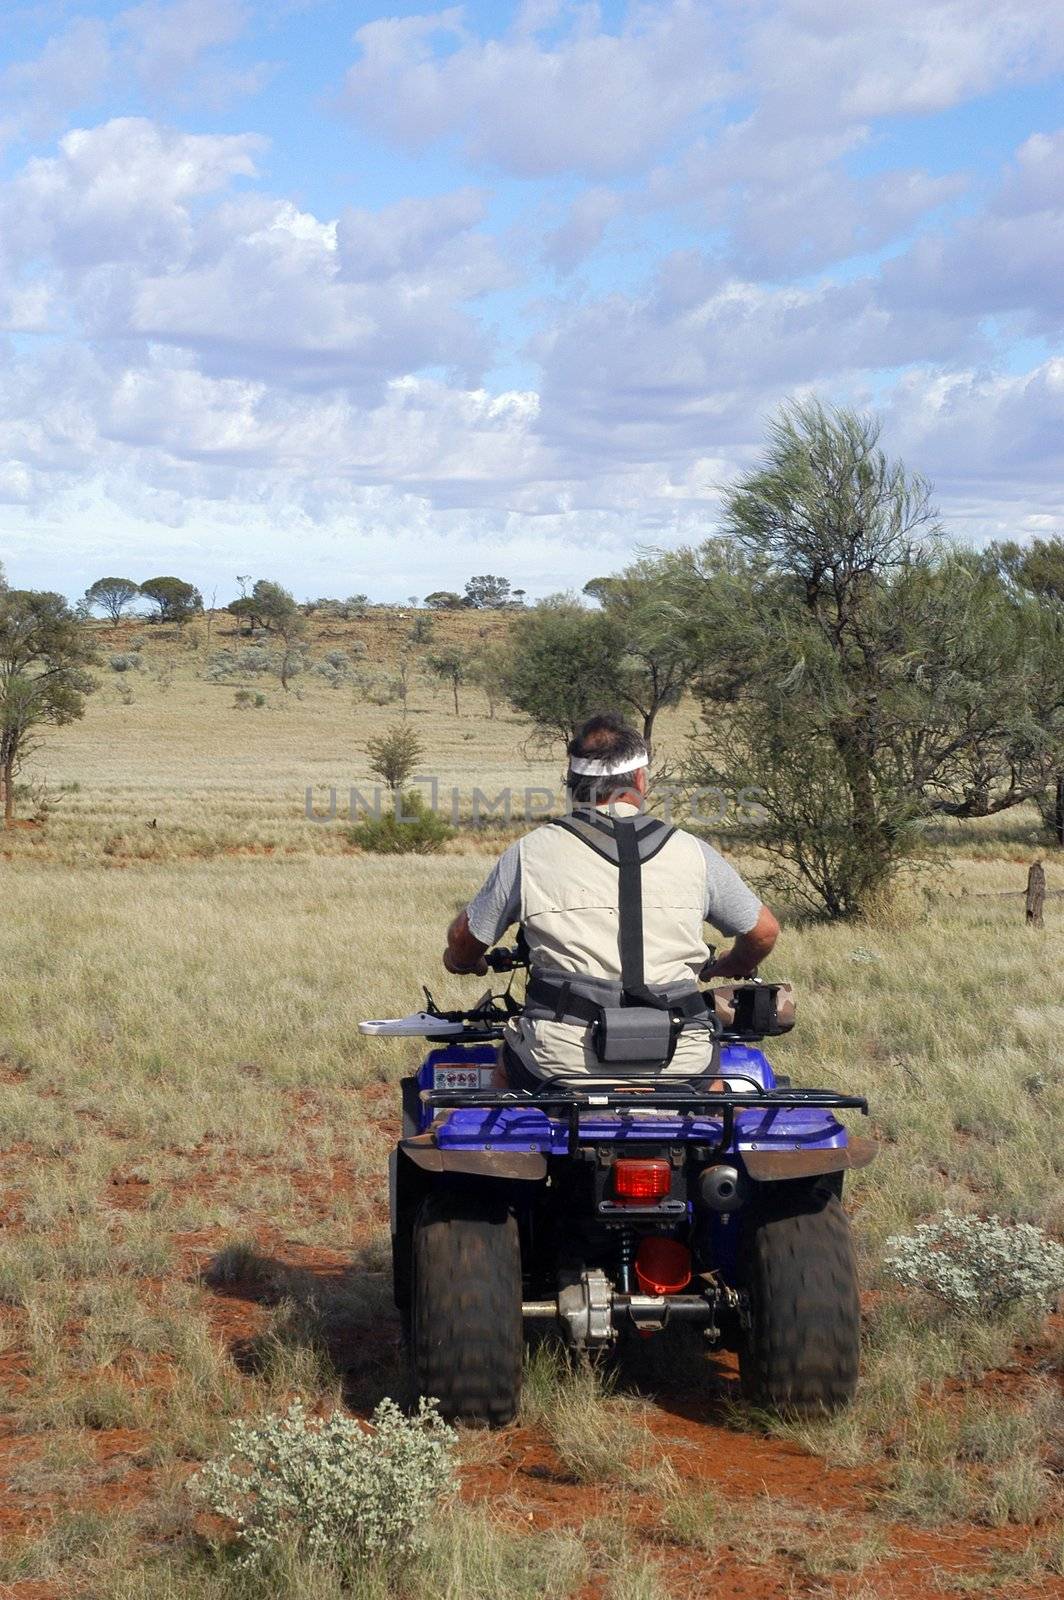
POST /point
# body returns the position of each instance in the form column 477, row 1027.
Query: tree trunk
column 872, row 848
column 1058, row 811
column 1036, row 894
column 9, row 792
column 454, row 686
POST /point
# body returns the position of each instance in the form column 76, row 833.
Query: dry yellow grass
column 181, row 1065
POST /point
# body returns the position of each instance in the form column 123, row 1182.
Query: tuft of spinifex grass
column 597, row 1433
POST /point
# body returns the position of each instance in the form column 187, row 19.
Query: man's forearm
column 464, row 952
column 748, row 951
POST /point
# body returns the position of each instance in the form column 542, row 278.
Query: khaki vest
column 569, row 911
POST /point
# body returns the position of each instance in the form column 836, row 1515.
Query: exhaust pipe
column 722, row 1188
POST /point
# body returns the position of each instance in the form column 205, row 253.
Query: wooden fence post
column 1036, row 894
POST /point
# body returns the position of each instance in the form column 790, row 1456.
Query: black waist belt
column 568, row 1005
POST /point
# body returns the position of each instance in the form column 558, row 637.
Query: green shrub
column 418, row 831
column 328, row 1487
column 395, row 755
column 246, row 699
column 978, row 1266
column 128, row 661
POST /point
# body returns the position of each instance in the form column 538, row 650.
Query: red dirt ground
column 524, row 1479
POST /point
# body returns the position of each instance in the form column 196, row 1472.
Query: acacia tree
column 452, row 666
column 1038, row 569
column 488, row 668
column 562, row 665
column 112, row 595
column 267, row 606
column 174, row 599
column 632, row 654
column 286, row 620
column 487, row 593
column 43, row 655
column 853, row 670
column 654, row 658
column 395, row 755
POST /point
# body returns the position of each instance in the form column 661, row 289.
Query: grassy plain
column 192, row 1179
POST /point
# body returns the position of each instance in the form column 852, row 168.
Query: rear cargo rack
column 644, row 1095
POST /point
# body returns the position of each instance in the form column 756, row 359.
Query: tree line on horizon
column 176, row 600
column 850, row 663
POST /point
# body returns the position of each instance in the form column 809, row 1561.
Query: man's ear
column 640, row 784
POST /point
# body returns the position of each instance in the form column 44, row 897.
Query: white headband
column 604, row 769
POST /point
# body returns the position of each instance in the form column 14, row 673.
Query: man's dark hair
column 603, row 738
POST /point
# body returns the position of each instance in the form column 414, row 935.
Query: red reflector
column 662, row 1266
column 641, row 1180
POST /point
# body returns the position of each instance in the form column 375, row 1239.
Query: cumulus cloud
column 1004, row 258
column 254, row 284
column 70, row 71
column 814, row 62
column 167, row 41
column 175, row 49
column 270, row 290
column 591, row 101
column 693, row 178
column 581, row 233
column 118, row 192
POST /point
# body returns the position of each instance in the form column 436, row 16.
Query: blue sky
column 373, row 298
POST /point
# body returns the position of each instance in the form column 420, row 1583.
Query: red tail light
column 641, row 1180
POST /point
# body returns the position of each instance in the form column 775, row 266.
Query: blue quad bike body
column 637, row 1206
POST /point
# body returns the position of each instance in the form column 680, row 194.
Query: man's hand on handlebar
column 464, row 952
column 748, row 951
column 478, row 969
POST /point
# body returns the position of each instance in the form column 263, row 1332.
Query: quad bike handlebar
column 506, row 958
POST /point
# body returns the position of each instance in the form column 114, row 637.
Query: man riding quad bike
column 613, row 1152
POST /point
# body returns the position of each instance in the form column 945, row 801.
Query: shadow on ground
column 682, row 1376
column 342, row 1316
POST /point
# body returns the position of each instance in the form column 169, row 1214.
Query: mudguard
column 772, row 1166
column 513, row 1165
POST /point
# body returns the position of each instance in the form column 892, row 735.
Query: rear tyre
column 802, row 1349
column 466, row 1329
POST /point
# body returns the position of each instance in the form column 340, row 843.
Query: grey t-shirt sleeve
column 497, row 905
column 731, row 905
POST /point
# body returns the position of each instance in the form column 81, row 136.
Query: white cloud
column 237, row 359
column 70, row 71
column 407, row 235
column 167, row 44
column 592, row 101
column 254, row 284
column 815, row 62
column 583, row 229
column 1002, row 432
column 168, row 50
column 118, row 192
column 1005, row 258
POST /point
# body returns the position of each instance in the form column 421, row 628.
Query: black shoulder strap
column 628, row 842
column 629, row 906
column 597, row 831
column 635, row 845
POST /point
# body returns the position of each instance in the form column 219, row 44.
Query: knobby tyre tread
column 802, row 1351
column 466, row 1328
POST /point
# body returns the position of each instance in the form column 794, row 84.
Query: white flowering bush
column 978, row 1266
column 336, row 1490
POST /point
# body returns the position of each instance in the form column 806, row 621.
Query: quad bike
column 600, row 1209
